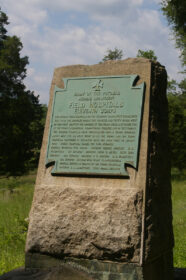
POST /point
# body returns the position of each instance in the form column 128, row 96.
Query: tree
column 175, row 11
column 147, row 54
column 20, row 111
column 171, row 86
column 37, row 128
column 177, row 127
column 3, row 31
column 176, row 93
column 115, row 54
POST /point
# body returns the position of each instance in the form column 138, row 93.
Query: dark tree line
column 175, row 12
column 177, row 123
column 20, row 111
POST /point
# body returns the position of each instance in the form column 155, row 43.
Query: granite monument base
column 160, row 268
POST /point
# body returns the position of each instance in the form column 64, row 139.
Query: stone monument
column 102, row 200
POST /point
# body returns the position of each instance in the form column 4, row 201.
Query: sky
column 56, row 33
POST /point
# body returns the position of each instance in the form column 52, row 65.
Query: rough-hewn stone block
column 111, row 219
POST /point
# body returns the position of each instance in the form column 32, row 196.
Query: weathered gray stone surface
column 93, row 223
column 111, row 219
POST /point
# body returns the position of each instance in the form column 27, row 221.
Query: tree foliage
column 20, row 111
column 176, row 94
column 115, row 54
column 177, row 124
column 175, row 12
column 147, row 54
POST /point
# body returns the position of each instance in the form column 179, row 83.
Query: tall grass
column 179, row 221
column 15, row 201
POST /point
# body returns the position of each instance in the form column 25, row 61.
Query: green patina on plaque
column 95, row 125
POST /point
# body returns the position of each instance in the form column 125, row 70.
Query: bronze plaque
column 95, row 125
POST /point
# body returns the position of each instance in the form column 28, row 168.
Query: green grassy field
column 179, row 222
column 15, row 201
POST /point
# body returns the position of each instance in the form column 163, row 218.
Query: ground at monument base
column 159, row 269
column 63, row 274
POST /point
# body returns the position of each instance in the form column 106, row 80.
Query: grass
column 15, row 201
column 179, row 221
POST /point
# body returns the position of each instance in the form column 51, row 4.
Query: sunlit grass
column 179, row 222
column 15, row 201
